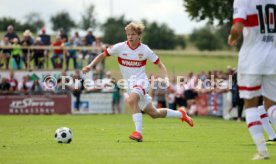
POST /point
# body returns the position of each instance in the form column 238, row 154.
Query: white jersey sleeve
column 114, row 50
column 152, row 56
column 239, row 14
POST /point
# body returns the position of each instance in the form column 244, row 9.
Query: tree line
column 157, row 36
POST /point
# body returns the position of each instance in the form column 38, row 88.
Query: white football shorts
column 256, row 85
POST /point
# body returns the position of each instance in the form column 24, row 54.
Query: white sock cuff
column 261, row 110
column 137, row 116
column 251, row 112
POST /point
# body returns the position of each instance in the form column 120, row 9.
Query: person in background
column 71, row 53
column 5, row 86
column 13, row 82
column 16, row 53
column 25, row 86
column 90, row 38
column 77, row 88
column 58, row 53
column 107, row 83
column 25, row 43
column 11, row 34
column 46, row 41
column 171, row 98
column 160, row 94
column 116, row 97
column 36, row 87
column 77, row 39
column 38, row 54
column 63, row 35
column 6, row 52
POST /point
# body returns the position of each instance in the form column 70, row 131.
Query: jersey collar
column 139, row 43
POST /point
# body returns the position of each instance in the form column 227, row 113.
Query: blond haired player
column 256, row 66
column 132, row 57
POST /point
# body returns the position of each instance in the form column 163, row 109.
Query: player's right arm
column 110, row 51
column 239, row 18
column 93, row 63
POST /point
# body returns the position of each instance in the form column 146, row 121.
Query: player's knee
column 131, row 101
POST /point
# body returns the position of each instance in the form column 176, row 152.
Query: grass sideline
column 104, row 139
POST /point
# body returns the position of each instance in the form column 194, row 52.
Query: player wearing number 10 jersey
column 256, row 20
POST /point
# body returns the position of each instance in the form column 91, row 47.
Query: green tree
column 113, row 30
column 6, row 21
column 159, row 36
column 34, row 21
column 206, row 39
column 88, row 18
column 181, row 41
column 210, row 10
column 62, row 20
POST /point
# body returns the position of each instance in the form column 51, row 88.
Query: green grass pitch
column 104, row 139
column 183, row 64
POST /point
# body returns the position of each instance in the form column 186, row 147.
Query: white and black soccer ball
column 63, row 135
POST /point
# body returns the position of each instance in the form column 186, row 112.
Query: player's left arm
column 163, row 71
column 235, row 33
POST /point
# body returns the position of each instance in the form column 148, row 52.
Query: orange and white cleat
column 185, row 117
column 136, row 136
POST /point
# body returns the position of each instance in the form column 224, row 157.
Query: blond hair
column 135, row 26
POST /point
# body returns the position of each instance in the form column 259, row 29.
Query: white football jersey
column 133, row 61
column 258, row 52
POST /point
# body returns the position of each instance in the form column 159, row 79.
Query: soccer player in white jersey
column 132, row 57
column 256, row 66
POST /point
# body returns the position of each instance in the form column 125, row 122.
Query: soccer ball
column 63, row 135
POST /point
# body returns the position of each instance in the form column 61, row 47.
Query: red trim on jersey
column 140, row 87
column 255, row 123
column 244, row 88
column 250, row 21
column 106, row 52
column 131, row 47
column 263, row 115
column 157, row 61
column 132, row 63
column 241, row 20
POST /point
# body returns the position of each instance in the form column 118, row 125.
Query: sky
column 170, row 12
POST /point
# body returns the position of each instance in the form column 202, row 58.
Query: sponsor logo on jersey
column 132, row 63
